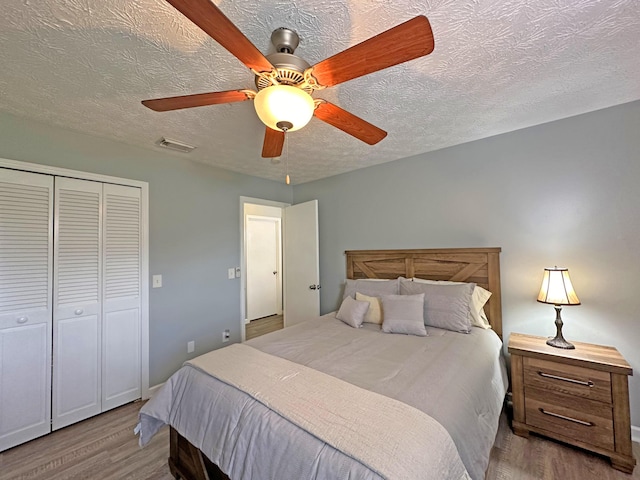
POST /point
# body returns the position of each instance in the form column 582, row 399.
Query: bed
column 458, row 398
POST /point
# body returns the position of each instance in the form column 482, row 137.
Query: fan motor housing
column 285, row 40
column 290, row 67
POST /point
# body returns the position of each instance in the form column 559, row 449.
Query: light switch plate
column 237, row 272
column 231, row 273
column 157, row 281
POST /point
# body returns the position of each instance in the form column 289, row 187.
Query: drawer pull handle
column 564, row 417
column 588, row 383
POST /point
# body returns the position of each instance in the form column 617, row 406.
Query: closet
column 70, row 301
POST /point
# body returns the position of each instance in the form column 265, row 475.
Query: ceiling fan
column 285, row 81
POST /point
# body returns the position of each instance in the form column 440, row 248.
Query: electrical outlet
column 231, row 273
column 191, row 346
column 225, row 335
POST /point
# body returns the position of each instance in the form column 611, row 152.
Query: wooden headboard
column 478, row 265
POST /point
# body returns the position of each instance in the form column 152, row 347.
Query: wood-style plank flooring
column 105, row 448
column 261, row 326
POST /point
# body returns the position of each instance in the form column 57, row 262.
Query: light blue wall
column 562, row 193
column 194, row 217
column 565, row 193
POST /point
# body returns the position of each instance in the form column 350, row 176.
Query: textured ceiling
column 498, row 65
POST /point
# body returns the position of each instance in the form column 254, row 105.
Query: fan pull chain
column 286, row 159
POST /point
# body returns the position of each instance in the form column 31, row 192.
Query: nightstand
column 580, row 396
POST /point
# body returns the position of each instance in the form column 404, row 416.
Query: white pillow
column 479, row 297
column 374, row 314
column 352, row 312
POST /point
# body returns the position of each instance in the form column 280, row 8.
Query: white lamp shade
column 557, row 288
column 284, row 103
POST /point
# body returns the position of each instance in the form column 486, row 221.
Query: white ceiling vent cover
column 174, row 145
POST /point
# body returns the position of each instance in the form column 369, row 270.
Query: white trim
column 65, row 172
column 153, row 390
column 635, row 434
column 144, row 298
column 144, row 191
column 243, row 264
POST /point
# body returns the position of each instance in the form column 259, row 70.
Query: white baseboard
column 154, row 389
column 635, row 434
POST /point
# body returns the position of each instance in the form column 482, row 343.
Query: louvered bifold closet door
column 121, row 380
column 26, row 229
column 77, row 301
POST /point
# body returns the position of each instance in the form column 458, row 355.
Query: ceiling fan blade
column 197, row 100
column 349, row 123
column 397, row 45
column 273, row 143
column 206, row 15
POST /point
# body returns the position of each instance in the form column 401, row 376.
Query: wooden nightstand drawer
column 586, row 420
column 569, row 379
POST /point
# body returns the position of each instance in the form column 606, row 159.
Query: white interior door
column 121, row 319
column 77, row 301
column 263, row 271
column 26, row 239
column 301, row 263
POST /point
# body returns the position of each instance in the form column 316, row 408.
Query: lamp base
column 559, row 341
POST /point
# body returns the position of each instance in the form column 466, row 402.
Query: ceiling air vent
column 173, row 145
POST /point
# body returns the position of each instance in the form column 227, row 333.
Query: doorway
column 261, row 236
column 297, row 269
column 264, row 266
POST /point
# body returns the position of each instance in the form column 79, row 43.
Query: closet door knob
column 79, row 311
column 22, row 319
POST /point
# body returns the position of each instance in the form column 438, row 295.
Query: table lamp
column 557, row 289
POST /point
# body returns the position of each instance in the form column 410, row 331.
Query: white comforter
column 457, row 379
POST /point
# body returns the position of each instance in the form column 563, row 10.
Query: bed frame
column 478, row 265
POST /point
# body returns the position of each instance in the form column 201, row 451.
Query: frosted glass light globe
column 284, row 103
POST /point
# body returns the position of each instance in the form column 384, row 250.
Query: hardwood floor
column 261, row 326
column 105, row 448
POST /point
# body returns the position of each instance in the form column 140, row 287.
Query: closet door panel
column 25, row 398
column 121, row 381
column 26, row 233
column 77, row 315
column 121, row 376
column 76, row 372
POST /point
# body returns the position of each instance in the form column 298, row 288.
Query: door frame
column 144, row 264
column 243, row 254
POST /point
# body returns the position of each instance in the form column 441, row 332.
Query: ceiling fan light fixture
column 279, row 105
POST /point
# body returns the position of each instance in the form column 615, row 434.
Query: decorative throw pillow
column 352, row 312
column 404, row 314
column 445, row 306
column 479, row 298
column 371, row 287
column 374, row 314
